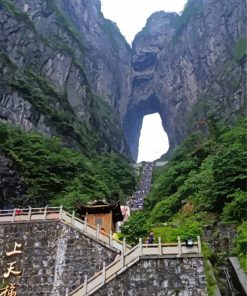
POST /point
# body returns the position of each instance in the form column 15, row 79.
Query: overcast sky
column 131, row 15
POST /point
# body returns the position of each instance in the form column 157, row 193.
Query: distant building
column 160, row 163
column 137, row 167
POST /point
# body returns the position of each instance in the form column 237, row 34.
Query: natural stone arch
column 134, row 117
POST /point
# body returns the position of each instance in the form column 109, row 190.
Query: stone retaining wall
column 54, row 257
column 159, row 276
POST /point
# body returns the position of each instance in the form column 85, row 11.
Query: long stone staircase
column 136, row 201
column 57, row 213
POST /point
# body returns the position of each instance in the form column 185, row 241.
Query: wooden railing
column 125, row 260
column 57, row 213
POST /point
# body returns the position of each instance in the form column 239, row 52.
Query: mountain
column 67, row 72
column 63, row 69
column 186, row 66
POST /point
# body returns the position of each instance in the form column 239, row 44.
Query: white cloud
column 131, row 15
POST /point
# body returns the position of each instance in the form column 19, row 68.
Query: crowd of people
column 136, row 201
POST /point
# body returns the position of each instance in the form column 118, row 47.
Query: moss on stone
column 63, row 21
column 19, row 16
column 240, row 49
column 54, row 107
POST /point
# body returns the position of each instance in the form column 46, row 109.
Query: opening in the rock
column 153, row 140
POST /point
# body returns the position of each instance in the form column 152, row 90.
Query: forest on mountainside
column 204, row 183
column 46, row 173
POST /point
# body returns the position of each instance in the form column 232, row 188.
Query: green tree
column 135, row 227
column 241, row 243
column 52, row 174
column 236, row 209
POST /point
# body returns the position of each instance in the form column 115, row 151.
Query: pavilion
column 101, row 213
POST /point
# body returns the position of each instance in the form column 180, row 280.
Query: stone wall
column 54, row 257
column 220, row 237
column 159, row 276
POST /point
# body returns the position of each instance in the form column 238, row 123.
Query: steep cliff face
column 186, row 66
column 67, row 71
column 53, row 56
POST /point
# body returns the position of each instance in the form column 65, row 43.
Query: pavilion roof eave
column 101, row 208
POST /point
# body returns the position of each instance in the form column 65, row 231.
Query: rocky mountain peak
column 181, row 65
column 68, row 71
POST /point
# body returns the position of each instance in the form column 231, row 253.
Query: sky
column 131, row 15
column 153, row 141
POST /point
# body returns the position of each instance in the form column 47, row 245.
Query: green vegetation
column 54, row 41
column 240, row 49
column 55, row 107
column 55, row 175
column 205, row 176
column 209, row 173
column 211, row 282
column 241, row 242
column 63, row 21
column 136, row 227
column 236, row 209
column 203, row 183
column 19, row 16
column 187, row 227
column 98, row 133
column 101, row 131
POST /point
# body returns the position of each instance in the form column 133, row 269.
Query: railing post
column 45, row 213
column 199, row 244
column 60, row 212
column 111, row 242
column 13, row 218
column 124, row 245
column 29, row 213
column 73, row 218
column 103, row 273
column 179, row 246
column 97, row 231
column 159, row 245
column 140, row 246
column 122, row 259
column 85, row 284
column 85, row 224
column 67, row 292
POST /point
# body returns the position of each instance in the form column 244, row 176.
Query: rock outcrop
column 187, row 66
column 57, row 55
column 54, row 56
